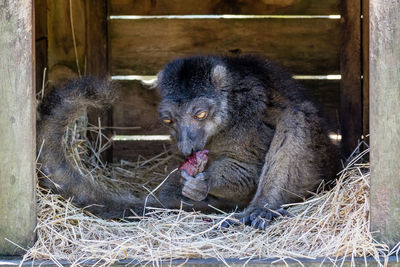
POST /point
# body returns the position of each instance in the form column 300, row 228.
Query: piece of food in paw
column 195, row 163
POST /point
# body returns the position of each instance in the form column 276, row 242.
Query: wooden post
column 17, row 126
column 384, row 67
column 96, row 38
column 350, row 69
column 41, row 41
column 97, row 58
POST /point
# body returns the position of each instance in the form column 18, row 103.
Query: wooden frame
column 370, row 49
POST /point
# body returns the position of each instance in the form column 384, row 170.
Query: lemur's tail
column 61, row 107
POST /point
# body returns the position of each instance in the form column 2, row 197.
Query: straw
column 332, row 224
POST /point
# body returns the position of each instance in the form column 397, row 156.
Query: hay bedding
column 330, row 225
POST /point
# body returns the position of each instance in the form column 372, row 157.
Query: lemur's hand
column 195, row 188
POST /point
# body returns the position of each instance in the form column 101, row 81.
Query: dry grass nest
column 332, row 225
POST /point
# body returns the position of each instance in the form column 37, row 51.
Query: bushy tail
column 61, row 107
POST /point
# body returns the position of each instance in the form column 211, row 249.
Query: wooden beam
column 17, row 126
column 384, row 73
column 350, row 69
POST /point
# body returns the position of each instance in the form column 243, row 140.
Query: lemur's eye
column 167, row 121
column 201, row 115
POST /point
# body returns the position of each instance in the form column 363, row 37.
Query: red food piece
column 195, row 163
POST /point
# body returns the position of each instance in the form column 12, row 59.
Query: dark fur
column 268, row 145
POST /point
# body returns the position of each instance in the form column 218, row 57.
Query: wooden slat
column 365, row 67
column 137, row 107
column 41, row 62
column 133, row 150
column 304, row 46
column 385, row 120
column 351, row 85
column 41, row 40
column 17, row 127
column 253, row 7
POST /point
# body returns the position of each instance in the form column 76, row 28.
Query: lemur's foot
column 261, row 217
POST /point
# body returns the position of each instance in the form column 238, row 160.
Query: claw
column 246, row 220
column 255, row 223
column 226, row 223
column 263, row 225
column 253, row 216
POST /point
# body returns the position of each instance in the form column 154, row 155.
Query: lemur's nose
column 186, row 148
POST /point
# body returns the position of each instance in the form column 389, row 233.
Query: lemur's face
column 192, row 104
column 192, row 123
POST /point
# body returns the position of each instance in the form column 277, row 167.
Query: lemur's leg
column 293, row 166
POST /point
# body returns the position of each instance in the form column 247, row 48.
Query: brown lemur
column 267, row 142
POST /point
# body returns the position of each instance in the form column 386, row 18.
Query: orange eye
column 167, row 121
column 200, row 115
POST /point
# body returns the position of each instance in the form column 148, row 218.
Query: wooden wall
column 297, row 34
column 156, row 32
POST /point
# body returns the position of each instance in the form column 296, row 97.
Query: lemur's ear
column 219, row 75
column 160, row 75
column 156, row 84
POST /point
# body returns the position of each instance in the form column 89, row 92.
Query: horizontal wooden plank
column 135, row 113
column 326, row 94
column 304, row 46
column 253, row 7
column 134, row 150
column 135, row 110
column 136, row 107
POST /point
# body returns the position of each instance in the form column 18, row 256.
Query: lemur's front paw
column 195, row 188
column 261, row 217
